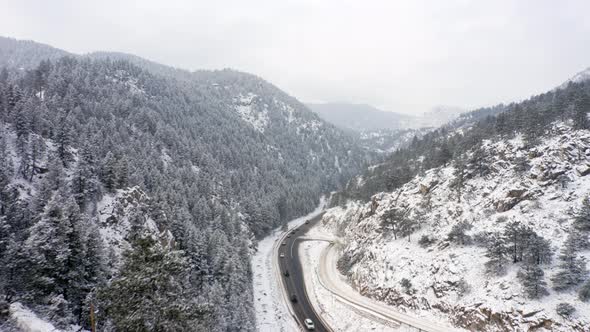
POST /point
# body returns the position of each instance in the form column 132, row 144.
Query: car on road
column 293, row 298
column 309, row 324
column 288, row 235
column 284, row 243
column 282, row 255
column 307, row 222
column 286, row 273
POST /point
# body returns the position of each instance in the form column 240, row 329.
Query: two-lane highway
column 292, row 276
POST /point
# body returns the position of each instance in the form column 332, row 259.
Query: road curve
column 294, row 283
column 328, row 275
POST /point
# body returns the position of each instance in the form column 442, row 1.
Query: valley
column 406, row 166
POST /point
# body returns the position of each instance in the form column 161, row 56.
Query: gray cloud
column 402, row 56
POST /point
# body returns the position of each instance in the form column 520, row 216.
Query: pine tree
column 459, row 174
column 582, row 219
column 532, row 279
column 6, row 172
column 158, row 279
column 572, row 267
column 478, row 160
column 516, row 235
column 77, row 285
column 537, row 250
column 109, row 173
column 396, row 221
column 444, row 154
column 501, row 124
column 123, row 173
column 48, row 251
column 581, row 109
column 457, row 233
column 85, row 183
column 497, row 255
column 63, row 138
column 584, row 293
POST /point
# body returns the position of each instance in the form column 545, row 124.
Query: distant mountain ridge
column 362, row 117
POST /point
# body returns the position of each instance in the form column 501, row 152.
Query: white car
column 309, row 324
column 282, row 255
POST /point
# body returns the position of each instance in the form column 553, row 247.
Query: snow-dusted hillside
column 449, row 279
column 387, row 141
column 582, row 76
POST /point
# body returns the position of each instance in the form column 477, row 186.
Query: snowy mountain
column 483, row 223
column 363, row 117
column 26, row 54
column 440, row 115
column 117, row 172
column 447, row 272
column 386, row 141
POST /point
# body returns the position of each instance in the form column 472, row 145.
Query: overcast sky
column 404, row 56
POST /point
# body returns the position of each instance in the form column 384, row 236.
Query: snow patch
column 245, row 107
column 27, row 321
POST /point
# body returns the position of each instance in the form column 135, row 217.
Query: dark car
column 307, row 222
column 286, row 273
column 293, row 298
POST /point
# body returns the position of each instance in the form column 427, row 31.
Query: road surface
column 294, row 283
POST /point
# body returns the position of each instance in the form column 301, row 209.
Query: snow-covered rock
column 120, row 213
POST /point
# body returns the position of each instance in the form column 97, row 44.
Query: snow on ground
column 338, row 313
column 27, row 321
column 272, row 313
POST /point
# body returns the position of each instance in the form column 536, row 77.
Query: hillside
column 149, row 161
column 445, row 255
column 483, row 223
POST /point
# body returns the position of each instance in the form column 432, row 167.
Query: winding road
column 287, row 256
column 294, row 283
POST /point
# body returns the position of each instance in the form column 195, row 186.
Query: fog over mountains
column 365, row 118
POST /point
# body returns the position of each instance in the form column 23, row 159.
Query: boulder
column 583, row 170
column 515, row 193
column 426, row 188
column 513, row 197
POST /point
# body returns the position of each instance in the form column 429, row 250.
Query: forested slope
column 109, row 163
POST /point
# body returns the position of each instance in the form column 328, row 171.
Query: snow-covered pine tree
column 109, row 172
column 459, row 174
column 572, row 267
column 581, row 110
column 458, row 235
column 48, row 255
column 85, row 184
column 582, row 218
column 532, row 279
column 497, row 254
column 161, row 300
column 584, row 293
